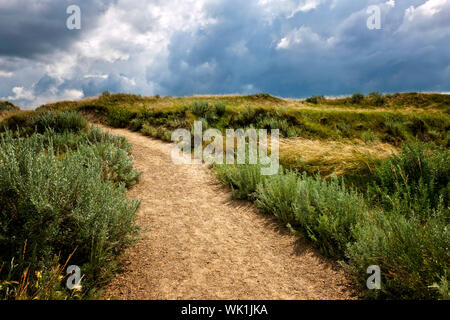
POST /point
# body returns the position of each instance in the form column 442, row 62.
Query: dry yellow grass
column 6, row 114
column 332, row 156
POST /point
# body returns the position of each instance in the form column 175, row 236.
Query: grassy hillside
column 8, row 106
column 366, row 128
column 364, row 178
column 7, row 109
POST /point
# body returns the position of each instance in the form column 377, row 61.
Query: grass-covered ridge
column 8, row 106
column 373, row 126
column 365, row 177
column 393, row 122
column 57, row 171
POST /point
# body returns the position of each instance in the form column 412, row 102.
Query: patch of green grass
column 369, row 136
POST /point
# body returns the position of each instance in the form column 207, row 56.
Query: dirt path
column 201, row 244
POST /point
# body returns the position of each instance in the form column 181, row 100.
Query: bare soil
column 201, row 244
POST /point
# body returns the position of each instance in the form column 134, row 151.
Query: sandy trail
column 201, row 244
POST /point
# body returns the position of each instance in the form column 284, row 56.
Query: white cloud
column 303, row 36
column 430, row 20
column 390, row 3
column 305, row 6
column 288, row 8
column 101, row 76
column 19, row 94
column 428, row 9
column 6, row 74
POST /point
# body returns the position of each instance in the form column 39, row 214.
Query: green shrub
column 167, row 136
column 407, row 235
column 315, row 99
column 396, row 130
column 135, row 124
column 200, row 108
column 220, row 109
column 278, row 196
column 274, row 123
column 39, row 122
column 357, row 98
column 119, row 117
column 415, row 181
column 60, row 122
column 69, row 193
column 377, row 98
column 242, row 179
column 369, row 136
column 116, row 165
column 96, row 135
column 326, row 211
column 413, row 256
column 70, row 140
column 149, row 130
column 245, row 117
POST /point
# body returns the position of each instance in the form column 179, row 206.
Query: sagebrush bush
column 413, row 255
column 115, row 163
column 96, row 135
column 200, row 108
column 327, row 211
column 78, row 193
column 400, row 227
column 70, row 140
column 415, row 181
column 220, row 109
column 377, row 98
column 315, row 99
column 242, row 179
column 278, row 196
column 357, row 98
column 149, row 130
column 407, row 234
column 119, row 117
column 65, row 121
column 135, row 124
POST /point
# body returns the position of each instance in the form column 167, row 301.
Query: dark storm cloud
column 28, row 28
column 359, row 59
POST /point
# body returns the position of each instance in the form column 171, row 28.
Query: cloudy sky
column 289, row 48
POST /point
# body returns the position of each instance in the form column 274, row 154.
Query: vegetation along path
column 201, row 244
